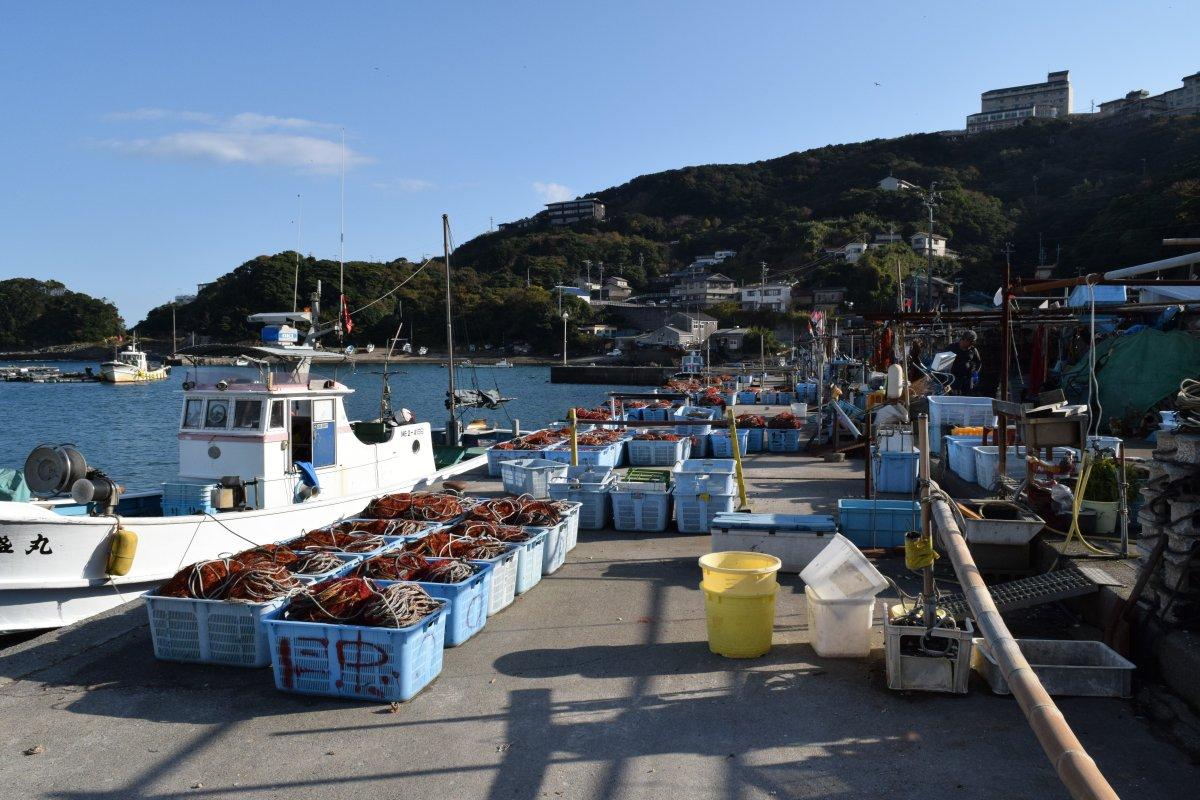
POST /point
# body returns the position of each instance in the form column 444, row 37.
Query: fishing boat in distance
column 266, row 452
column 131, row 365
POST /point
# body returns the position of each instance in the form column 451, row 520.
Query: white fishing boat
column 132, row 366
column 266, row 452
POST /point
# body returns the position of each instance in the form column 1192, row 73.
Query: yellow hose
column 1076, row 503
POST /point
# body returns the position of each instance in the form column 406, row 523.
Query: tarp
column 1081, row 296
column 1136, row 372
column 13, row 486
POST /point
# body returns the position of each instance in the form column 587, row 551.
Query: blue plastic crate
column 468, row 602
column 694, row 413
column 349, row 562
column 357, row 661
column 530, row 476
column 773, row 523
column 756, row 439
column 656, row 414
column 722, row 446
column 529, row 560
column 641, row 511
column 878, row 523
column 592, row 497
column 608, row 455
column 658, row 453
column 694, row 512
column 715, row 476
column 497, row 457
column 786, row 398
column 699, row 447
column 959, row 452
column 210, row 631
column 806, row 392
column 634, row 414
column 747, row 398
column 785, row 440
column 893, row 471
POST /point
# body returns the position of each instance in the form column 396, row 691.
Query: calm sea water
column 130, row 431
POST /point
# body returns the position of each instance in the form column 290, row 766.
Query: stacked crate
column 1172, row 510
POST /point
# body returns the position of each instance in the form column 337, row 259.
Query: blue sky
column 148, row 146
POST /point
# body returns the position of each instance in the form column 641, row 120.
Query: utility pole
column 930, row 201
column 526, row 276
column 565, row 317
column 899, row 286
column 452, row 423
column 762, row 289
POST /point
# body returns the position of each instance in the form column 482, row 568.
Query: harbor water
column 130, row 431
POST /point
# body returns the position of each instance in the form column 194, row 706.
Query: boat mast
column 452, row 423
column 342, row 308
column 174, row 344
column 296, row 278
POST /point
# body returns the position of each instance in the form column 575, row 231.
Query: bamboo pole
column 1075, row 768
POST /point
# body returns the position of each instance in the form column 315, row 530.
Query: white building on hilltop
column 1013, row 105
column 773, row 296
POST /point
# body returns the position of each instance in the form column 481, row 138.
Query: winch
column 54, row 469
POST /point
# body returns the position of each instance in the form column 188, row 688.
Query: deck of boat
column 596, row 684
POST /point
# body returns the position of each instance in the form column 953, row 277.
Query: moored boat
column 132, row 366
column 266, row 451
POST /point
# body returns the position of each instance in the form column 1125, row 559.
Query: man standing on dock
column 966, row 363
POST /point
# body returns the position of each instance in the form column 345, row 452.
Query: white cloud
column 552, row 192
column 404, row 185
column 246, row 138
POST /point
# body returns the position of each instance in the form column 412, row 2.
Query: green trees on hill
column 37, row 313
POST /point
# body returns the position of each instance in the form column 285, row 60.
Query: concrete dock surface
column 598, row 683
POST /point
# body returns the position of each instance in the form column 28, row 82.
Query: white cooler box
column 794, row 539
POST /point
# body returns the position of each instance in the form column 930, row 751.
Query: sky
column 145, row 147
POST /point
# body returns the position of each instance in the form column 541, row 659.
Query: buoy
column 122, row 547
column 896, row 382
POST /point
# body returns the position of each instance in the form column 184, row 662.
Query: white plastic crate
column 530, row 557
column 530, row 476
column 841, row 571
column 839, row 628
column 357, row 661
column 951, row 411
column 712, row 475
column 571, row 518
column 794, row 539
column 658, row 453
column 987, row 464
column 210, row 631
column 554, row 550
column 504, row 581
column 641, row 510
column 694, row 512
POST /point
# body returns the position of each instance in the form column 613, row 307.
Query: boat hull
column 63, row 581
column 124, row 373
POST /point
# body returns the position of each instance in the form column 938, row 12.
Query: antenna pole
column 296, row 279
column 452, row 423
column 342, row 307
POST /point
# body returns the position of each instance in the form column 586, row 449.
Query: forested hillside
column 37, row 313
column 1093, row 194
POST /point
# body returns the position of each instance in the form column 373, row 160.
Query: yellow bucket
column 739, row 574
column 739, row 627
column 739, row 599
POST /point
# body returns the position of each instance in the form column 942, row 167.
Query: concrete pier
column 596, row 684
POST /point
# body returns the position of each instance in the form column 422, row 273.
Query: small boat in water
column 266, row 452
column 132, row 366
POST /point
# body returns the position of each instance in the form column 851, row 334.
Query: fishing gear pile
column 422, row 506
column 751, row 421
column 392, row 566
column 317, row 562
column 650, row 436
column 600, row 437
column 445, row 544
column 785, row 421
column 253, row 581
column 338, row 542
column 523, row 510
column 538, row 440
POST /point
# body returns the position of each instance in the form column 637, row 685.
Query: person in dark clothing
column 966, row 362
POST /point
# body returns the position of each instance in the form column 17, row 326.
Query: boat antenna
column 296, row 279
column 452, row 423
column 343, row 309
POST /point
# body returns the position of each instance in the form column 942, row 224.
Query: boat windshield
column 254, row 374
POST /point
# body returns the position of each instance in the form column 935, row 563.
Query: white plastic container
column 842, row 572
column 839, row 628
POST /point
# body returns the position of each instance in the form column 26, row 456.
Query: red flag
column 347, row 323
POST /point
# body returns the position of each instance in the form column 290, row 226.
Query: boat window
column 217, row 414
column 278, row 419
column 322, row 411
column 193, row 413
column 247, row 413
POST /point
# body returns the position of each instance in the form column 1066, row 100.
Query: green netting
column 13, row 486
column 1136, row 372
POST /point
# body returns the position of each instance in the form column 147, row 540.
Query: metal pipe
column 1155, row 266
column 927, row 586
column 1075, row 768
